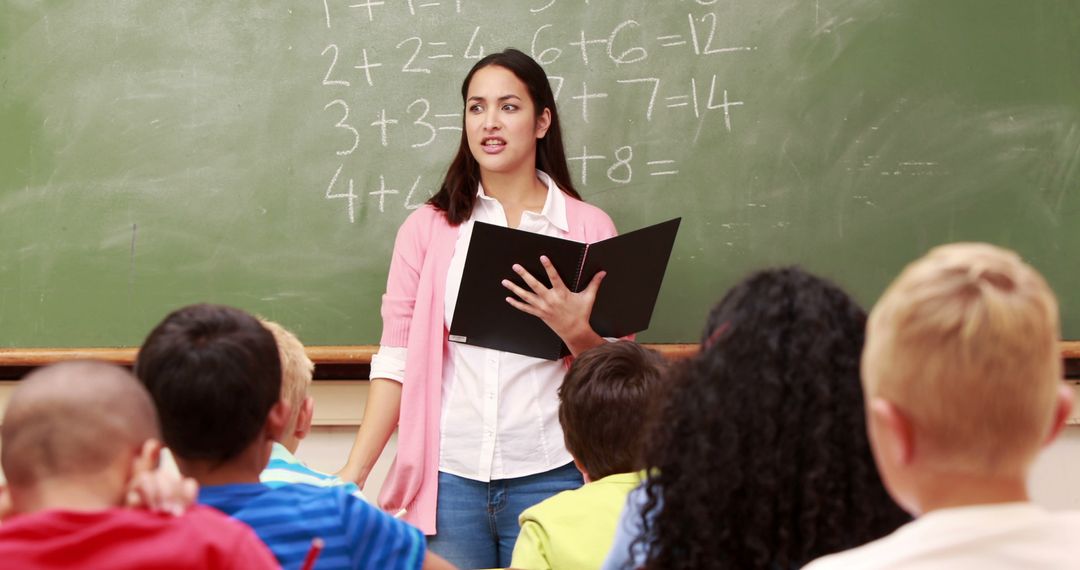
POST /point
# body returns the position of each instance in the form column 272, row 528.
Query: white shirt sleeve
column 389, row 363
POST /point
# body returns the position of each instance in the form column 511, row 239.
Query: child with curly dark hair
column 760, row 453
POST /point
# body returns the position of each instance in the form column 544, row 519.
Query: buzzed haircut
column 214, row 374
column 72, row 419
column 602, row 404
column 965, row 343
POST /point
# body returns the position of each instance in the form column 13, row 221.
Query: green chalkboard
column 262, row 154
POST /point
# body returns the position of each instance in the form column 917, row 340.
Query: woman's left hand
column 565, row 312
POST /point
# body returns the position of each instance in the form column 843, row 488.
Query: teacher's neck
column 520, row 187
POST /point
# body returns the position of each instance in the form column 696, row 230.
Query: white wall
column 339, row 409
column 1054, row 478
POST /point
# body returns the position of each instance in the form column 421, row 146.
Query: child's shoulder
column 313, row 500
column 303, row 493
column 232, row 498
column 565, row 504
column 602, row 496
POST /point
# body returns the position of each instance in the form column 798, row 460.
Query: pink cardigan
column 412, row 314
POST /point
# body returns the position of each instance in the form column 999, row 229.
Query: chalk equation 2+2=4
column 622, row 46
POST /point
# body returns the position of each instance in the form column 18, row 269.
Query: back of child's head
column 760, row 450
column 601, row 403
column 214, row 374
column 296, row 367
column 964, row 342
column 72, row 420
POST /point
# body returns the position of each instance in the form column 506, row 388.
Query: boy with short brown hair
column 601, row 404
column 214, row 375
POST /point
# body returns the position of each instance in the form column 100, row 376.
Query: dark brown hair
column 458, row 191
column 213, row 373
column 602, row 403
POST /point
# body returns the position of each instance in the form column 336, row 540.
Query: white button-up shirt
column 499, row 410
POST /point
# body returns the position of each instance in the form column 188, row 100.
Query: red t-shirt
column 130, row 538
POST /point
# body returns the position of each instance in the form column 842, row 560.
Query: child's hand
column 162, row 490
column 158, row 485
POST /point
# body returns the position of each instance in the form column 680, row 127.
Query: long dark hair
column 761, row 453
column 458, row 190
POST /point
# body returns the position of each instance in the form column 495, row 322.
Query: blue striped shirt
column 357, row 535
column 285, row 469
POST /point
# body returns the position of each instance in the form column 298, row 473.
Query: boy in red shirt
column 81, row 441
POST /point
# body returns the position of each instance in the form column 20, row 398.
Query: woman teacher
column 478, row 432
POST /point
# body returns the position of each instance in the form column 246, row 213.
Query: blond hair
column 296, row 367
column 964, row 343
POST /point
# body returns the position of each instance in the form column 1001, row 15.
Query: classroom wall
column 339, row 409
column 1052, row 484
column 1054, row 477
column 1053, row 480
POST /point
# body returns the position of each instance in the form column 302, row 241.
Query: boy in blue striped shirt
column 296, row 372
column 215, row 377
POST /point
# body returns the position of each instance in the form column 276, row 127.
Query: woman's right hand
column 566, row 313
column 381, row 413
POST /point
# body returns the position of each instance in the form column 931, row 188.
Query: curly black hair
column 761, row 453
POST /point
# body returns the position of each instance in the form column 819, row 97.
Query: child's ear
column 148, row 457
column 1062, row 410
column 304, row 418
column 145, row 459
column 891, row 431
column 277, row 420
column 581, row 469
column 7, row 508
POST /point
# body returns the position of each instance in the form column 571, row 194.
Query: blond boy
column 962, row 378
column 296, row 372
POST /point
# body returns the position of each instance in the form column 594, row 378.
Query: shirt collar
column 280, row 452
column 633, row 479
column 554, row 209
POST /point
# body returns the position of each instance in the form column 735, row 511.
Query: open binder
column 635, row 263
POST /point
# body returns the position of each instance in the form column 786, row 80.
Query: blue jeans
column 477, row 522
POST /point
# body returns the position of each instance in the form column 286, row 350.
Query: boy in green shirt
column 600, row 409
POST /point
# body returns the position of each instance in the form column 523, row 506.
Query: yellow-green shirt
column 574, row 529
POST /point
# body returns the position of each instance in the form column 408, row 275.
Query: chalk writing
column 610, row 69
column 341, row 124
column 620, row 171
column 326, row 78
column 367, row 66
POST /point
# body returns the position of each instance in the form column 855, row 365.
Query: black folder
column 635, row 263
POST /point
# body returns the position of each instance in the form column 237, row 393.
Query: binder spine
column 580, row 268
